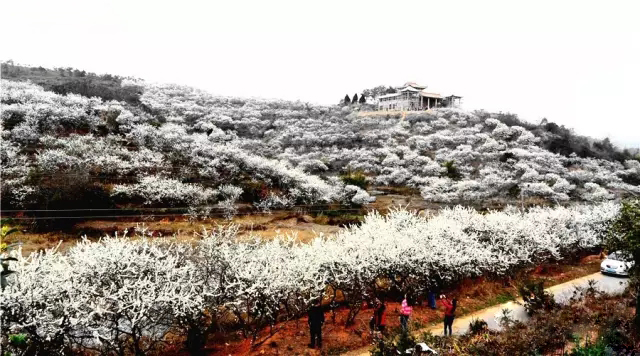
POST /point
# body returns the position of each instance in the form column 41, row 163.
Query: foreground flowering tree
column 121, row 295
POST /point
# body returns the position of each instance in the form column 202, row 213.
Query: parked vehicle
column 617, row 263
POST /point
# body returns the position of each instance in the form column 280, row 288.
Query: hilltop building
column 412, row 96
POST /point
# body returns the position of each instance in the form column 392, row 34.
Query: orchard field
column 498, row 196
column 128, row 295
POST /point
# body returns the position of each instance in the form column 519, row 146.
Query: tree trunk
column 636, row 320
column 196, row 340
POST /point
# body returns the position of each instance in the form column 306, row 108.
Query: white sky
column 574, row 62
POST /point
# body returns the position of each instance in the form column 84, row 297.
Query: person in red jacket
column 449, row 313
column 379, row 315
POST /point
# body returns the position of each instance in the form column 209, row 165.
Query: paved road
column 561, row 292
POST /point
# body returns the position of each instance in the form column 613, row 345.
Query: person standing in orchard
column 316, row 320
column 449, row 313
column 405, row 312
column 379, row 317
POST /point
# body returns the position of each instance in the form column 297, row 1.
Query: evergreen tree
column 624, row 236
column 355, row 99
column 347, row 100
column 362, row 100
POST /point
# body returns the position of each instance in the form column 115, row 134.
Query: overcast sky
column 574, row 62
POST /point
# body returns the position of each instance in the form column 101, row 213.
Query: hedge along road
column 561, row 293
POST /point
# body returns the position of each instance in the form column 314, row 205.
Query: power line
column 133, row 180
column 162, row 215
column 159, row 208
column 136, row 176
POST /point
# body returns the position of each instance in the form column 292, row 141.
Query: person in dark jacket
column 316, row 319
column 432, row 300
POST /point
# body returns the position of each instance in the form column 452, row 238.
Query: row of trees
column 368, row 93
column 121, row 295
column 354, row 100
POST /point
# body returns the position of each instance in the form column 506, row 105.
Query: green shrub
column 355, row 178
column 535, row 298
column 477, row 326
column 514, row 191
column 19, row 340
column 588, row 349
column 502, row 298
column 507, row 156
column 452, row 170
column 405, row 341
column 383, row 347
column 396, row 343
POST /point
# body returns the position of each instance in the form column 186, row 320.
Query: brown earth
column 265, row 226
column 304, row 225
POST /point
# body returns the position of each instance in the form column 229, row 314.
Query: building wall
column 398, row 104
column 405, row 104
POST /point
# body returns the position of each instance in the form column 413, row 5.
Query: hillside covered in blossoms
column 169, row 145
column 103, row 152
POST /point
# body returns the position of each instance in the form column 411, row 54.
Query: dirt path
column 562, row 292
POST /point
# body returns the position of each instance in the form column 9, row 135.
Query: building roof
column 409, row 88
column 422, row 93
column 414, row 84
column 430, row 95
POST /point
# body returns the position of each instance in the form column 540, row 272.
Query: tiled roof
column 430, row 95
column 415, row 85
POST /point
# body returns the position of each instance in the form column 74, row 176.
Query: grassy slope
column 64, row 81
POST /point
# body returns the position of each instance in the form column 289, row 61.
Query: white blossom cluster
column 291, row 148
column 152, row 158
column 494, row 160
column 120, row 293
column 153, row 190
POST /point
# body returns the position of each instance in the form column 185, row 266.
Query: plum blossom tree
column 123, row 295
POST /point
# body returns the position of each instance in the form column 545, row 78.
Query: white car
column 617, row 263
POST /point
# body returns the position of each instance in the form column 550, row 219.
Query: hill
column 73, row 141
column 69, row 80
